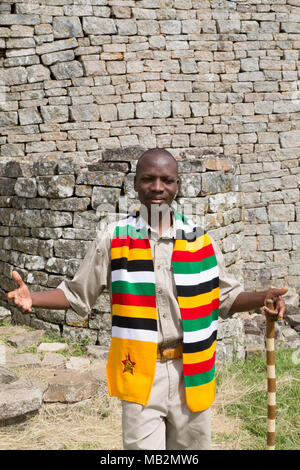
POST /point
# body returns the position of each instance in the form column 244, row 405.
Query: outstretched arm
column 25, row 300
column 246, row 301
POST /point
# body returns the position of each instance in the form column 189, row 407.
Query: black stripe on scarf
column 200, row 345
column 134, row 265
column 190, row 236
column 190, row 291
column 134, row 323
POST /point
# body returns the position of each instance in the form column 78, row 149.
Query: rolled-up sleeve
column 92, row 277
column 230, row 288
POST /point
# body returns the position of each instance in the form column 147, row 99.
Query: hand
column 21, row 295
column 274, row 305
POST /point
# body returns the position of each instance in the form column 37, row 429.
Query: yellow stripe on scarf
column 132, row 255
column 201, row 397
column 134, row 311
column 200, row 356
column 129, row 371
column 199, row 300
column 185, row 245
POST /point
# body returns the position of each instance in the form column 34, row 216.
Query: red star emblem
column 128, row 364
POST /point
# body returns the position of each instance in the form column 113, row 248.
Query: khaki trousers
column 165, row 422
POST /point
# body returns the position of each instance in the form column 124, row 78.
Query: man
column 168, row 283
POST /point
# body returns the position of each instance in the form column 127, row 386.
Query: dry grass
column 96, row 423
column 92, row 424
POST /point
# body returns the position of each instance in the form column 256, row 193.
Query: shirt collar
column 170, row 233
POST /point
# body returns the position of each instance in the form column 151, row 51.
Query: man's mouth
column 157, row 200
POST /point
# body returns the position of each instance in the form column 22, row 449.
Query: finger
column 278, row 292
column 11, row 294
column 281, row 309
column 271, row 314
column 17, row 278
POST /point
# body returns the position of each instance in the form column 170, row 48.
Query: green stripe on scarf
column 199, row 379
column 200, row 323
column 138, row 288
column 195, row 267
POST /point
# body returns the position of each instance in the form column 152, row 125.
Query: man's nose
column 157, row 185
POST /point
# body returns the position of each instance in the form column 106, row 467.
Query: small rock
column 52, row 347
column 70, row 386
column 97, row 352
column 5, row 315
column 7, row 376
column 77, row 363
column 24, row 360
column 17, row 399
column 30, row 338
column 53, row 360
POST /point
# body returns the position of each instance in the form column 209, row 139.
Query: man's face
column 156, row 181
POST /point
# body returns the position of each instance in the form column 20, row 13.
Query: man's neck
column 160, row 221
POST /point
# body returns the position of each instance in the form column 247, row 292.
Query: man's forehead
column 157, row 162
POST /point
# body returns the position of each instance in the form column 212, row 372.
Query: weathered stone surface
column 7, row 19
column 55, row 113
column 104, row 196
column 97, row 352
column 38, row 73
column 290, row 139
column 26, row 187
column 7, row 376
column 60, row 56
column 89, row 112
column 15, row 76
column 59, row 186
column 18, row 399
column 71, row 386
column 29, row 116
column 54, row 360
column 65, row 70
column 67, row 27
column 93, row 25
column 78, row 363
column 54, row 46
column 101, row 178
column 217, row 182
column 24, row 360
column 5, row 314
column 30, row 338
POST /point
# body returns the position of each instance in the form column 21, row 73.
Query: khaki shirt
column 94, row 275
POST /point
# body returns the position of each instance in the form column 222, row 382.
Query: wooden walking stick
column 271, row 376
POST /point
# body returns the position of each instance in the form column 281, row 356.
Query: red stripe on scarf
column 135, row 300
column 198, row 312
column 199, row 367
column 118, row 242
column 192, row 256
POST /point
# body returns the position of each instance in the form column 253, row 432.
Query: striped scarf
column 132, row 355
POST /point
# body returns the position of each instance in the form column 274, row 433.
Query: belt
column 165, row 353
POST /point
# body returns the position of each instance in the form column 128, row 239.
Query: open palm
column 21, row 295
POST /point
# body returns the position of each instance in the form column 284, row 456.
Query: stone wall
column 50, row 211
column 79, row 77
column 82, row 79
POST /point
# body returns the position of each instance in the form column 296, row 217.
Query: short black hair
column 154, row 153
